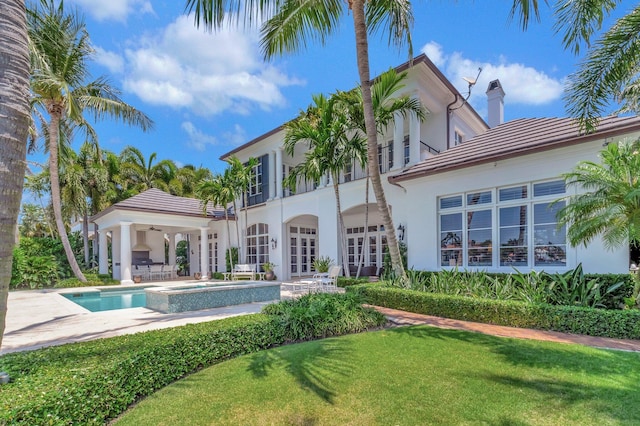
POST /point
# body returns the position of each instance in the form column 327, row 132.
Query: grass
column 406, row 376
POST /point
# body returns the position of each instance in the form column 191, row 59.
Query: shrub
column 321, row 315
column 91, row 382
column 572, row 288
column 623, row 324
column 92, row 281
column 321, row 264
column 347, row 281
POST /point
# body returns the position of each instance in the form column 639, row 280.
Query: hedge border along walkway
column 566, row 319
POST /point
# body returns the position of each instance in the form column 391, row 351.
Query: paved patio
column 39, row 318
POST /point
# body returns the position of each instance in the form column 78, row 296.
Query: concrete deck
column 40, row 318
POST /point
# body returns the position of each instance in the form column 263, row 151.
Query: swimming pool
column 109, row 299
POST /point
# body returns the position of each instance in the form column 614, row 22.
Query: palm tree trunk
column 85, row 237
column 226, row 218
column 55, row 111
column 366, row 224
column 362, row 53
column 235, row 209
column 343, row 242
column 246, row 220
column 14, row 126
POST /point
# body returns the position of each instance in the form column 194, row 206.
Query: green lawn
column 406, row 376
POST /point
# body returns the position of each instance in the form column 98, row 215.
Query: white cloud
column 111, row 60
column 236, row 137
column 114, row 10
column 183, row 67
column 522, row 84
column 198, row 140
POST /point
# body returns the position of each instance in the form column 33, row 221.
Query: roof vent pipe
column 495, row 103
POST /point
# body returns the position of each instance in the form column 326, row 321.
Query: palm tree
column 242, row 175
column 611, row 204
column 609, row 72
column 332, row 146
column 287, row 25
column 218, row 191
column 14, row 129
column 60, row 51
column 190, row 177
column 385, row 106
column 140, row 174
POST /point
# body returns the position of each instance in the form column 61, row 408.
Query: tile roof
column 516, row 138
column 156, row 201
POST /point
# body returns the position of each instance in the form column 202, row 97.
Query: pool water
column 107, row 300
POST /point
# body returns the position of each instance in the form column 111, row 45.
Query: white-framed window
column 458, row 137
column 520, row 220
column 406, row 150
column 255, row 186
column 385, row 157
column 258, row 244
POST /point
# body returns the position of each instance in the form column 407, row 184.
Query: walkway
column 40, row 318
column 409, row 318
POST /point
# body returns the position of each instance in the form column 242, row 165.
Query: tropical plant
column 386, row 106
column 610, row 205
column 241, row 176
column 60, row 54
column 141, row 174
column 324, row 128
column 219, row 191
column 609, row 71
column 321, row 264
column 268, row 266
column 14, row 129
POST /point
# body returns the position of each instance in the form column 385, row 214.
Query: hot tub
column 210, row 295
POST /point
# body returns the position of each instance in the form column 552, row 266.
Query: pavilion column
column 278, row 172
column 172, row 249
column 398, row 141
column 204, row 253
column 103, row 257
column 125, row 253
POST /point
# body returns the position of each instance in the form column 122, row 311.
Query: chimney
column 495, row 101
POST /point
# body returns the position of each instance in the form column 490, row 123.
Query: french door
column 303, row 245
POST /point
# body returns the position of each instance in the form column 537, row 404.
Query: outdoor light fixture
column 401, row 232
column 274, row 243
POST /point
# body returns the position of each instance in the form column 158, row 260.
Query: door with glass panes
column 303, row 244
column 376, row 244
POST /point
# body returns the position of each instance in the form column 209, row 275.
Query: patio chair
column 328, row 282
column 143, row 271
column 155, row 271
column 168, row 272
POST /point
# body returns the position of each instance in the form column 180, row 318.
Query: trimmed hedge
column 569, row 319
column 91, row 382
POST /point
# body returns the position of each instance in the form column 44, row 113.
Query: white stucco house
column 463, row 193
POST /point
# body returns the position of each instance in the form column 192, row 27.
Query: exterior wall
column 422, row 218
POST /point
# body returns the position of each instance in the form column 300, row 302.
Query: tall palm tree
column 611, row 204
column 141, row 174
column 332, row 146
column 60, row 54
column 287, row 26
column 218, row 191
column 385, row 107
column 190, row 177
column 14, row 128
column 242, row 175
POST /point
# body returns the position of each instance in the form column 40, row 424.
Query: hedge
column 89, row 383
column 623, row 324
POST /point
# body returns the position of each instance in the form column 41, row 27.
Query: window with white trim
column 520, row 219
column 255, row 186
column 258, row 244
column 458, row 138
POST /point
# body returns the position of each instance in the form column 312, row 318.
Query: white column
column 172, row 249
column 103, row 250
column 115, row 252
column 278, row 172
column 414, row 138
column 125, row 253
column 273, row 172
column 398, row 141
column 204, row 253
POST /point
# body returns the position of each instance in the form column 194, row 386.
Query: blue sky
column 209, row 93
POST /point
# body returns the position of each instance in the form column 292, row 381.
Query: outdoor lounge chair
column 243, row 270
column 328, row 282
